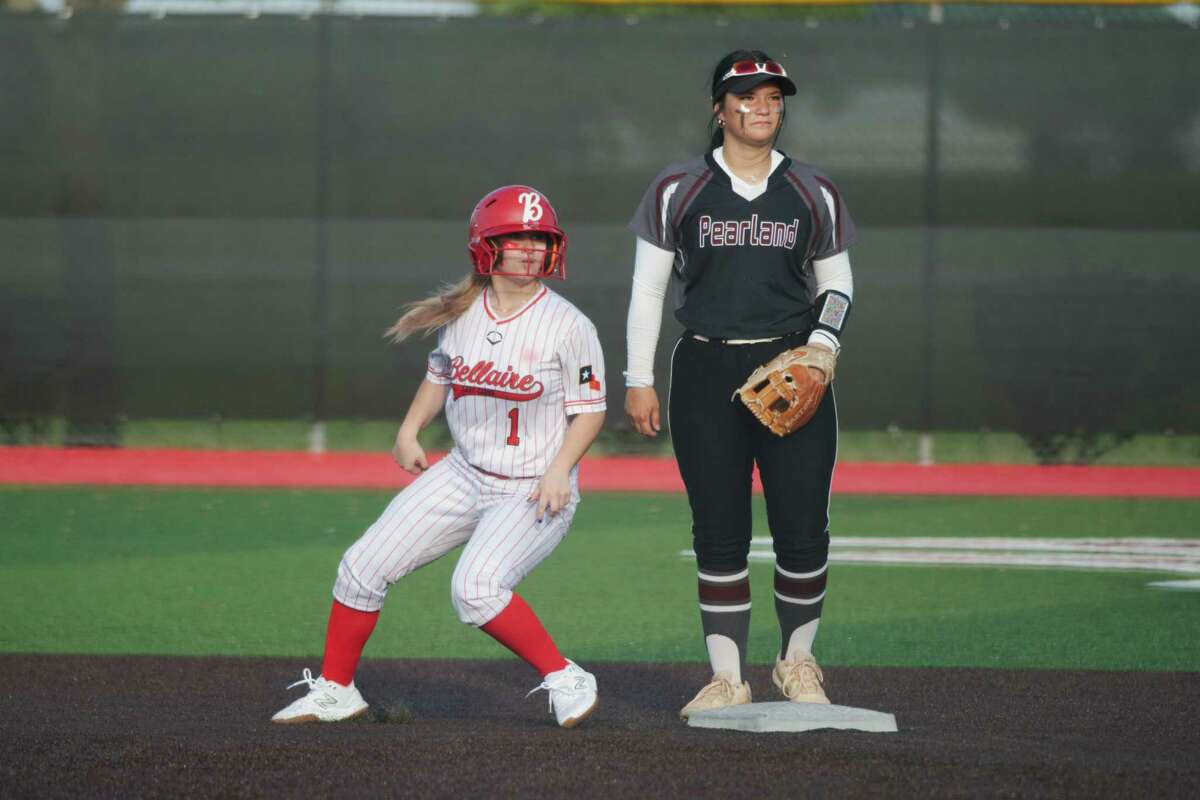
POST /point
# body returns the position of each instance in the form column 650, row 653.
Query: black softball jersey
column 743, row 267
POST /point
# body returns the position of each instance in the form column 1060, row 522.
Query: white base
column 793, row 718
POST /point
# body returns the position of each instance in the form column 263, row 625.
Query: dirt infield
column 141, row 726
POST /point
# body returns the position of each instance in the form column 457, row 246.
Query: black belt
column 718, row 340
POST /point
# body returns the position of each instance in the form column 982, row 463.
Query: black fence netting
column 219, row 216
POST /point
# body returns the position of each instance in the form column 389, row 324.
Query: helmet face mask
column 523, row 254
column 515, row 210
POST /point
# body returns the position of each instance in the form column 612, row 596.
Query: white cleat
column 572, row 694
column 326, row 701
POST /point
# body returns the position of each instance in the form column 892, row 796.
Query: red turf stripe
column 103, row 466
column 199, row 468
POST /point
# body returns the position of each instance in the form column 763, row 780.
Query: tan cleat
column 720, row 693
column 800, row 680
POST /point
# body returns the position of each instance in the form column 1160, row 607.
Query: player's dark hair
column 716, row 134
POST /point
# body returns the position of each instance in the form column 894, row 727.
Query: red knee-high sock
column 519, row 629
column 345, row 639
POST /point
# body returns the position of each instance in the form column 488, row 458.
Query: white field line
column 1135, row 546
column 1062, row 561
column 1132, row 554
column 1186, row 586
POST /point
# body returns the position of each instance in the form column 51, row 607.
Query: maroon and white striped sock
column 725, row 616
column 798, row 600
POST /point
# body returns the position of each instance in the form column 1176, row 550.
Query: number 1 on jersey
column 513, row 440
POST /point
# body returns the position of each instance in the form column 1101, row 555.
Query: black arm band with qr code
column 832, row 308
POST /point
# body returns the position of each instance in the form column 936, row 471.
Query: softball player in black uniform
column 753, row 245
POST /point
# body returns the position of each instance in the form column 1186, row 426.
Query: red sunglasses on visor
column 742, row 68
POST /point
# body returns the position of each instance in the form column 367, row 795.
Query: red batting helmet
column 515, row 209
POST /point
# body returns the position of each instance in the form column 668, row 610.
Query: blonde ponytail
column 439, row 309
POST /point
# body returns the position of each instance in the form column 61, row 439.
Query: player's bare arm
column 553, row 491
column 426, row 405
column 641, row 406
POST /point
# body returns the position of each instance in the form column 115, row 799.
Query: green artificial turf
column 893, row 445
column 248, row 572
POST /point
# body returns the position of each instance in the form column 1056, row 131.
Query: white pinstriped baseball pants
column 449, row 504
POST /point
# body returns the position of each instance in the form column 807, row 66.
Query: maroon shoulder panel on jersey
column 837, row 203
column 658, row 193
column 700, row 183
column 812, row 212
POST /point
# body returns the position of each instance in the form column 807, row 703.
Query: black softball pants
column 717, row 442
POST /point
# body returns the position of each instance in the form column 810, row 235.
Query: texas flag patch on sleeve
column 586, row 376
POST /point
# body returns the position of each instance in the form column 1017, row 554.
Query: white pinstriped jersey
column 514, row 381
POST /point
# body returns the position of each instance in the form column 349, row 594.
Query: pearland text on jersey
column 738, row 232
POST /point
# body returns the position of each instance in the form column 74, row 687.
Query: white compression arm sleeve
column 832, row 274
column 651, row 273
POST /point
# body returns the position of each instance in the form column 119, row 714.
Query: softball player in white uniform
column 519, row 372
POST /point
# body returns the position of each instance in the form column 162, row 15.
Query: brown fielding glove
column 782, row 393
